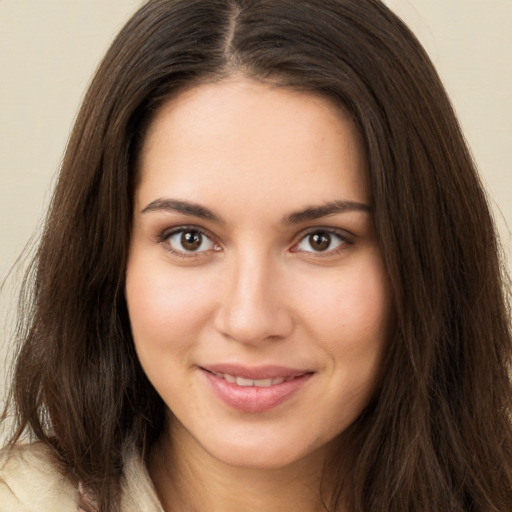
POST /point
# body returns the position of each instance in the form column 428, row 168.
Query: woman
column 268, row 280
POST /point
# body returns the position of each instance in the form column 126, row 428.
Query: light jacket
column 31, row 481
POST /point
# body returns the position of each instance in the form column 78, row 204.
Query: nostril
column 253, row 327
column 251, row 308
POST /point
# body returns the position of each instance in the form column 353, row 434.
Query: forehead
column 243, row 135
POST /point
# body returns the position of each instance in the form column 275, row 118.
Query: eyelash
column 166, row 235
column 342, row 236
column 344, row 242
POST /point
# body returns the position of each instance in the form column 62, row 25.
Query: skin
column 258, row 289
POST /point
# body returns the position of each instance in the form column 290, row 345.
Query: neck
column 187, row 478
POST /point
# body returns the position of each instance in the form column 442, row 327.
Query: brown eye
column 191, row 240
column 320, row 241
column 186, row 241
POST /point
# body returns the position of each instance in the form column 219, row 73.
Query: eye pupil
column 320, row 241
column 191, row 240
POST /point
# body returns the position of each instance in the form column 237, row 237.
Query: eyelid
column 167, row 233
column 343, row 235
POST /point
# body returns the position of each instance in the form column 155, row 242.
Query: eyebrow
column 185, row 207
column 330, row 208
column 304, row 215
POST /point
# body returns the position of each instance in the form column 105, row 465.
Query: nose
column 253, row 307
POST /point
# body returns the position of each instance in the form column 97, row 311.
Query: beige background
column 50, row 48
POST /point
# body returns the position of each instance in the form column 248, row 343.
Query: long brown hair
column 437, row 435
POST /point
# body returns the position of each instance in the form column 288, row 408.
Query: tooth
column 263, row 383
column 244, row 382
column 229, row 378
column 278, row 380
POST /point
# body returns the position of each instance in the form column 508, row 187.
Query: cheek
column 366, row 309
column 368, row 316
column 166, row 308
column 352, row 322
column 354, row 306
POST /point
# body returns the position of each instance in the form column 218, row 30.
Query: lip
column 256, row 372
column 254, row 399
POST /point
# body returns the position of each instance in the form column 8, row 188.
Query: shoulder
column 31, row 480
column 138, row 493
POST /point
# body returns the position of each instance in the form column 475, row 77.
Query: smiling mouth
column 259, row 383
column 258, row 389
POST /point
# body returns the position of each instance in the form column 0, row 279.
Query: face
column 256, row 291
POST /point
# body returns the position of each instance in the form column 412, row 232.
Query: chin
column 264, row 452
